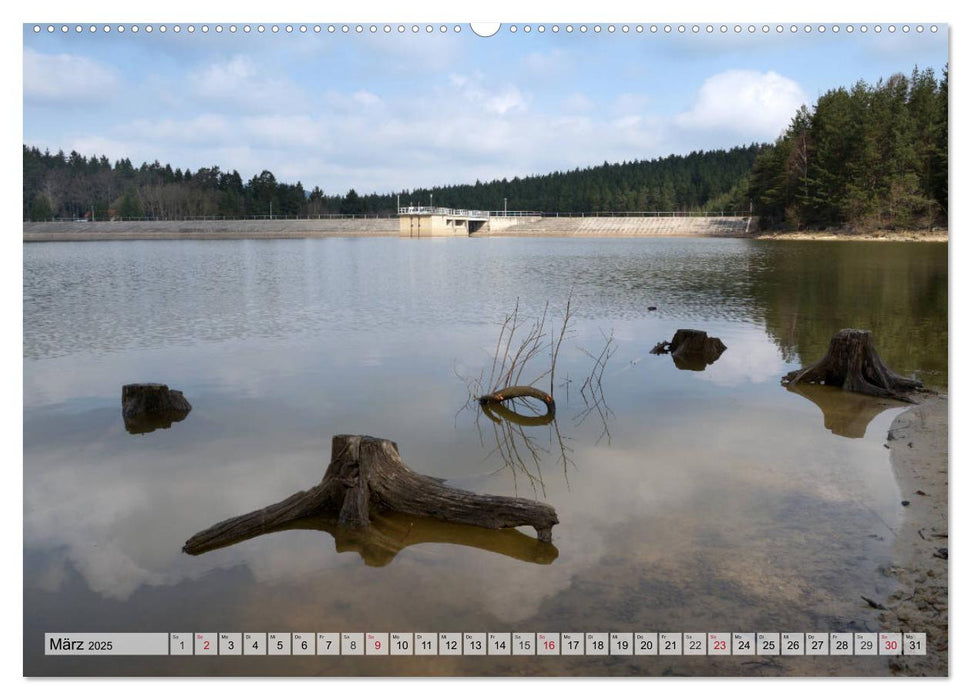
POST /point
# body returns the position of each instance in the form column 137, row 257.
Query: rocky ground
column 932, row 236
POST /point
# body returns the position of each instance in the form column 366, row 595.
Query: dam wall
column 533, row 226
column 212, row 229
column 629, row 226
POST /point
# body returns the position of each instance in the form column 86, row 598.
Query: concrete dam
column 417, row 222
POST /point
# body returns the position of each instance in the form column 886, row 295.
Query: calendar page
column 437, row 348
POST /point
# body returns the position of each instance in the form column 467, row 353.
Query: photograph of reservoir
column 531, row 329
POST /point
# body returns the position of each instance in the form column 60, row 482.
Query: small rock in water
column 148, row 407
column 873, row 603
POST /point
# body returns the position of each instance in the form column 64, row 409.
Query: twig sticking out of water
column 592, row 388
column 521, row 343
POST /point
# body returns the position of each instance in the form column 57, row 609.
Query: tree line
column 868, row 157
column 73, row 186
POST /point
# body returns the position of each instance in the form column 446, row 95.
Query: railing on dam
column 444, row 211
column 646, row 214
column 470, row 213
column 478, row 214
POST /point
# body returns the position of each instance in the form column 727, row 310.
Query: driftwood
column 367, row 477
column 497, row 412
column 390, row 533
column 494, row 400
column 691, row 349
column 852, row 364
column 147, row 407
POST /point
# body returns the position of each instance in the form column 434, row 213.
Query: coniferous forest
column 73, row 186
column 872, row 156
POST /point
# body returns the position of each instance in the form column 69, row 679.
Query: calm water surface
column 699, row 501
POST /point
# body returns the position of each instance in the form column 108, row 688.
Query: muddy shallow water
column 710, row 500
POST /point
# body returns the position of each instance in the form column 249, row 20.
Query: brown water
column 707, row 501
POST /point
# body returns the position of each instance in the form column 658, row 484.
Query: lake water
column 712, row 500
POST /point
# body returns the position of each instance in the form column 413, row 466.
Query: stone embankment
column 148, row 230
column 631, row 226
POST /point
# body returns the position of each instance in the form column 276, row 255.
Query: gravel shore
column 919, row 455
column 937, row 236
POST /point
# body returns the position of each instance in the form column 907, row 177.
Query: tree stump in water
column 852, row 363
column 390, row 533
column 520, row 392
column 146, row 407
column 497, row 412
column 691, row 349
column 365, row 477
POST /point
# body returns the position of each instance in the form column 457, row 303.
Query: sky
column 382, row 112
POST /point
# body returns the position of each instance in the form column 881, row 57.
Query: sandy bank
column 919, row 454
column 924, row 236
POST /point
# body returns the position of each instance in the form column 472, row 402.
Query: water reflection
column 518, row 449
column 390, row 533
column 144, row 423
column 845, row 413
column 717, row 500
column 805, row 293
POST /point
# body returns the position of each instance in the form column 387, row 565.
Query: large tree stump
column 691, row 349
column 365, row 477
column 147, row 407
column 852, row 363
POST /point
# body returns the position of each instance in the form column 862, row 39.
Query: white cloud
column 509, row 99
column 243, row 85
column 746, row 102
column 67, row 78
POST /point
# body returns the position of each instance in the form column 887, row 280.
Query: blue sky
column 389, row 111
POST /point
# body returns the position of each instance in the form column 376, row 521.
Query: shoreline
column 922, row 236
column 71, row 237
column 918, row 442
column 549, row 227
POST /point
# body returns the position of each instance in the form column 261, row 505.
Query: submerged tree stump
column 691, row 349
column 852, row 363
column 365, row 477
column 146, row 407
column 498, row 412
column 520, row 392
